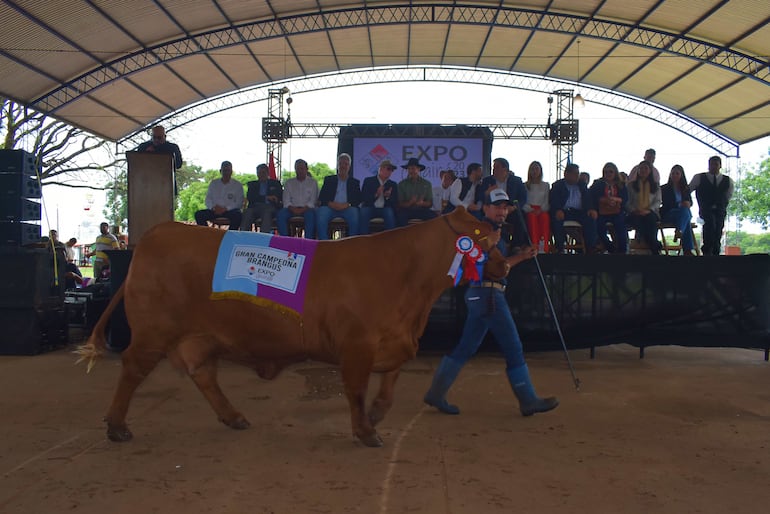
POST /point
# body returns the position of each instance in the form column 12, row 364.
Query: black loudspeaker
column 15, row 185
column 32, row 331
column 15, row 233
column 19, row 209
column 28, row 279
column 19, row 162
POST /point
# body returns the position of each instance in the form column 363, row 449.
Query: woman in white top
column 536, row 208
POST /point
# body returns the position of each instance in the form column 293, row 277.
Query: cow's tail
column 97, row 343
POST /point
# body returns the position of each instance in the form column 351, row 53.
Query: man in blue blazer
column 570, row 201
column 379, row 197
column 340, row 197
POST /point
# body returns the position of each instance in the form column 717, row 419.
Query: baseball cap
column 496, row 196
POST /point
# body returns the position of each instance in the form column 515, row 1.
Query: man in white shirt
column 224, row 199
column 649, row 156
column 713, row 191
column 300, row 195
column 463, row 191
column 441, row 193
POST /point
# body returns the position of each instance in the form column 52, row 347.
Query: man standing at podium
column 224, row 199
column 158, row 144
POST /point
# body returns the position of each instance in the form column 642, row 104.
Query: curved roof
column 112, row 67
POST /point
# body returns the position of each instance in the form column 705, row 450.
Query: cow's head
column 464, row 223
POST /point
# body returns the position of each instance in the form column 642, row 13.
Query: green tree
column 749, row 243
column 116, row 208
column 318, row 171
column 193, row 197
column 751, row 201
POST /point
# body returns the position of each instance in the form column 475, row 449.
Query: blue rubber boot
column 529, row 402
column 447, row 372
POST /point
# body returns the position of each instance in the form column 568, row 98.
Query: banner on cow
column 263, row 269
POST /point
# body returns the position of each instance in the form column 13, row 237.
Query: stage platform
column 643, row 300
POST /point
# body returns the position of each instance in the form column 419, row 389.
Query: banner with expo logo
column 436, row 154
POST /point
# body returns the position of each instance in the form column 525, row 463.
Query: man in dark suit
column 502, row 177
column 340, row 197
column 379, row 197
column 264, row 196
column 570, row 201
column 158, row 144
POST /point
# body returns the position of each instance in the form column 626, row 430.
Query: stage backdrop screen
column 437, row 150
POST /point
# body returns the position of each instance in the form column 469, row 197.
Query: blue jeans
column 621, row 233
column 326, row 214
column 681, row 218
column 488, row 310
column 282, row 221
column 367, row 213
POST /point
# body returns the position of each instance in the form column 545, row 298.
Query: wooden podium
column 150, row 192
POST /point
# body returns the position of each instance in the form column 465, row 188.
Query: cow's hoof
column 119, row 434
column 239, row 423
column 371, row 440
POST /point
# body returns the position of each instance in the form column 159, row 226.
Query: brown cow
column 368, row 300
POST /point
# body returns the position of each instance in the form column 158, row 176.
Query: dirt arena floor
column 682, row 431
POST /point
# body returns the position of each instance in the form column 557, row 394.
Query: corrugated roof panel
column 389, row 44
column 661, row 71
column 88, row 114
column 618, row 65
column 426, row 45
column 749, row 127
column 352, row 47
column 160, row 82
column 699, row 83
column 542, row 51
column 201, row 72
column 502, row 48
column 314, row 52
column 276, row 57
column 464, row 45
column 239, row 65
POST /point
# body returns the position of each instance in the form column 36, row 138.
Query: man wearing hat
column 488, row 310
column 379, row 197
column 415, row 195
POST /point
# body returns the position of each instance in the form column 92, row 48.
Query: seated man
column 463, row 191
column 570, row 201
column 72, row 276
column 415, row 195
column 503, row 178
column 339, row 198
column 264, row 196
column 300, row 196
column 224, row 199
column 379, row 196
column 441, row 192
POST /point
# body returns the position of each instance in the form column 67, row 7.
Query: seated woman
column 676, row 206
column 537, row 209
column 644, row 205
column 610, row 196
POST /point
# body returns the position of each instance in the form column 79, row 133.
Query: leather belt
column 489, row 283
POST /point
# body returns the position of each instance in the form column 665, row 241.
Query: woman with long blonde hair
column 536, row 209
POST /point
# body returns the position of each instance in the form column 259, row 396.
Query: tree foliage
column 65, row 154
column 751, row 201
column 750, row 243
